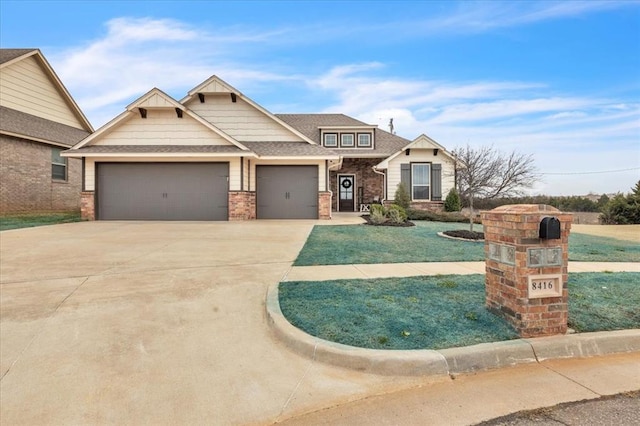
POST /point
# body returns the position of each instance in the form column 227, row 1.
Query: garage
column 162, row 191
column 287, row 192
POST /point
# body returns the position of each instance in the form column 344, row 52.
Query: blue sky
column 558, row 80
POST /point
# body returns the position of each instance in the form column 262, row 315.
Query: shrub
column 377, row 214
column 396, row 214
column 402, row 197
column 413, row 214
column 452, row 202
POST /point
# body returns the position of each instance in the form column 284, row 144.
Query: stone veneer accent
column 324, row 205
column 507, row 284
column 87, row 205
column 242, row 205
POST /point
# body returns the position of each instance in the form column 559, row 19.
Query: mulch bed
column 467, row 235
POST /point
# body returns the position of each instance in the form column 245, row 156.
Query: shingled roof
column 289, row 149
column 29, row 126
column 169, row 149
column 308, row 124
column 7, row 55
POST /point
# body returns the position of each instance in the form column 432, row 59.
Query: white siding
column 234, row 167
column 420, row 156
column 161, row 127
column 24, row 86
column 241, row 120
column 322, row 178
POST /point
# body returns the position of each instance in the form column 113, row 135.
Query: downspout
column 384, row 184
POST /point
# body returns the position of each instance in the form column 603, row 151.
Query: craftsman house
column 38, row 120
column 218, row 155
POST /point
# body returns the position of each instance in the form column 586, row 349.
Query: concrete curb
column 424, row 362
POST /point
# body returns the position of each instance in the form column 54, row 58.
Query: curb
column 426, row 362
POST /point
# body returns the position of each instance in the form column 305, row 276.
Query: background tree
column 621, row 210
column 488, row 173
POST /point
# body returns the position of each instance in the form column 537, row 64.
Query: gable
column 161, row 127
column 26, row 86
column 241, row 120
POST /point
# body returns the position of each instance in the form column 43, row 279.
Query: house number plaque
column 544, row 286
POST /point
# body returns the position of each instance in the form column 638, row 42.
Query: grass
column 436, row 312
column 360, row 244
column 31, row 220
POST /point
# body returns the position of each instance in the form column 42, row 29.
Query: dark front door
column 346, row 188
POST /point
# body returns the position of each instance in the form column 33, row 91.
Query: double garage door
column 200, row 191
column 162, row 191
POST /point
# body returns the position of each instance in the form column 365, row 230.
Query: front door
column 346, row 186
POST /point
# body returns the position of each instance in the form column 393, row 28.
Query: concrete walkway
column 164, row 323
column 383, row 270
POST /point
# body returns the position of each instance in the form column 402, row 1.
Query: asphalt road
column 619, row 410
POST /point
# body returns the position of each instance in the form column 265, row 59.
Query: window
column 58, row 165
column 420, row 173
column 346, row 140
column 364, row 139
column 330, row 139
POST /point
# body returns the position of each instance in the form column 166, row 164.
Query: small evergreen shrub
column 452, row 202
column 396, row 214
column 402, row 197
column 377, row 215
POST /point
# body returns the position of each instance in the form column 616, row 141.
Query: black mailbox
column 550, row 228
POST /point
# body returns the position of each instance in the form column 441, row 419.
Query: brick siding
column 371, row 182
column 25, row 179
column 242, row 205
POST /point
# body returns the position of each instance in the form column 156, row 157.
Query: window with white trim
column 58, row 165
column 420, row 181
column 330, row 139
column 347, row 140
column 364, row 140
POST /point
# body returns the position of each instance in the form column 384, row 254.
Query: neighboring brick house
column 38, row 120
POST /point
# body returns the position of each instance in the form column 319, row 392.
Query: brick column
column 242, row 205
column 324, row 205
column 526, row 276
column 87, row 205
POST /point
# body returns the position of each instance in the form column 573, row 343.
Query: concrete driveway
column 155, row 323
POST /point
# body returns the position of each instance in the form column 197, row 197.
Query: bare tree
column 487, row 173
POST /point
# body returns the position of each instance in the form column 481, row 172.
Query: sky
column 557, row 80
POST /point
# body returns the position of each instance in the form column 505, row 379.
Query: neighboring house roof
column 27, row 126
column 421, row 142
column 310, row 124
column 10, row 56
column 7, row 55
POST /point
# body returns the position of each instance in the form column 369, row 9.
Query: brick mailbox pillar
column 526, row 251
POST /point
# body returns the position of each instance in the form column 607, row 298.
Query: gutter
column 384, row 184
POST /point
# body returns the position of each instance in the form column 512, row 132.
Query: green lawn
column 436, row 312
column 31, row 220
column 353, row 244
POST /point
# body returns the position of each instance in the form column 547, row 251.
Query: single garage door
column 287, row 192
column 162, row 191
